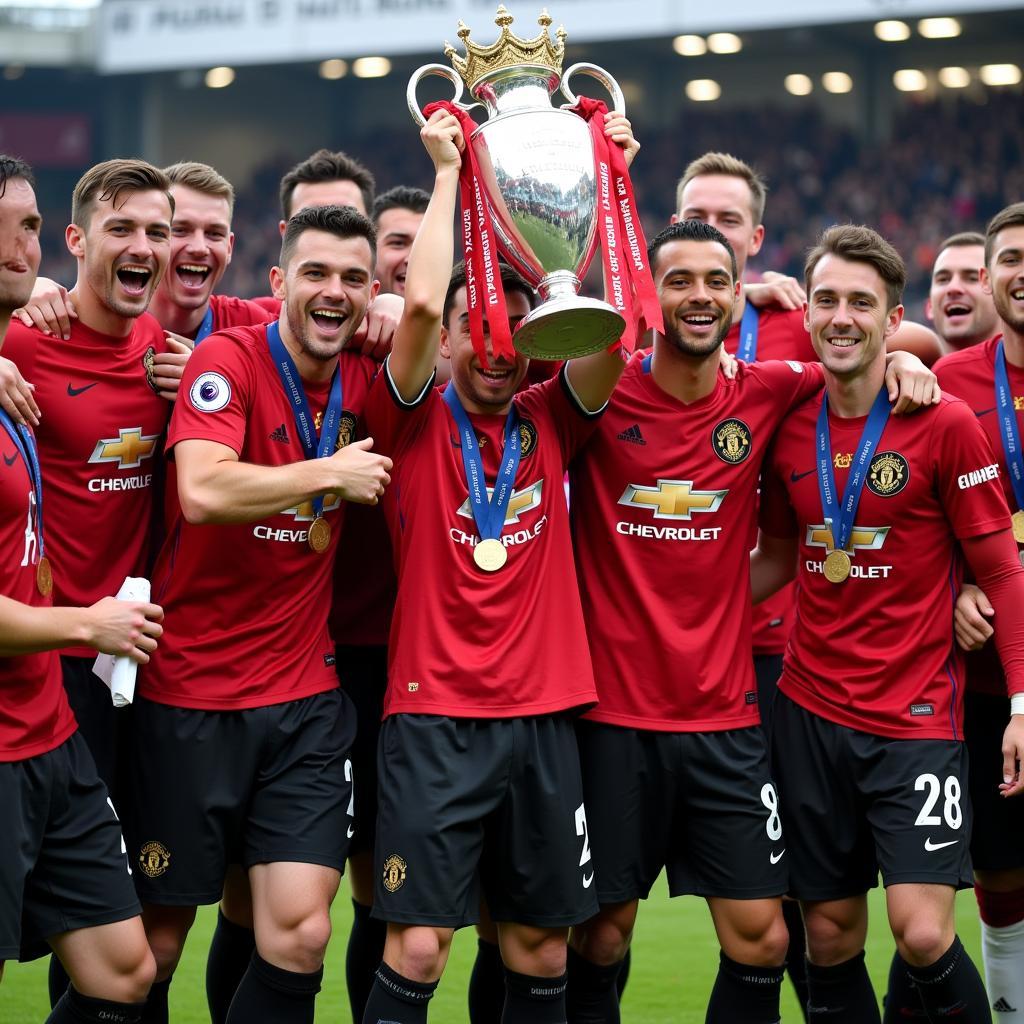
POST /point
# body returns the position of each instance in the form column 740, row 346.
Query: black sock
column 365, row 949
column 273, row 994
column 901, row 1002
column 530, row 1000
column 230, row 952
column 486, row 984
column 743, row 992
column 626, row 963
column 74, row 1008
column 155, row 1011
column 796, row 957
column 842, row 994
column 57, row 980
column 951, row 988
column 397, row 1000
column 592, row 996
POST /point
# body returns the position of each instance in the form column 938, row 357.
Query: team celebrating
column 504, row 640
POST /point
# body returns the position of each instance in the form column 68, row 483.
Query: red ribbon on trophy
column 485, row 296
column 628, row 278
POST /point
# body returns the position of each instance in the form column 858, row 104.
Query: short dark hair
column 1009, row 217
column 113, row 179
column 960, row 240
column 860, row 244
column 323, row 165
column 689, row 231
column 510, row 282
column 401, row 197
column 12, row 167
column 340, row 221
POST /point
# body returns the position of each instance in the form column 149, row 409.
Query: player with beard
column 63, row 878
column 989, row 376
column 665, row 491
column 958, row 304
column 240, row 740
column 879, row 515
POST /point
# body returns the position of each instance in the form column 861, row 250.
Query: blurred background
column 904, row 114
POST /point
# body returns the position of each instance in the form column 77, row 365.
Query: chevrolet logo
column 520, row 502
column 129, row 449
column 673, row 499
column 862, row 538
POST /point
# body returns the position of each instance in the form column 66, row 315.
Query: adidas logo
column 1002, row 1006
column 633, row 435
column 280, row 434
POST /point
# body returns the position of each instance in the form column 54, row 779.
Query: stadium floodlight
column 954, row 78
column 892, row 31
column 690, row 46
column 219, row 78
column 703, row 90
column 371, row 67
column 724, row 42
column 798, row 85
column 333, row 69
column 939, row 28
column 1000, row 74
column 910, row 80
column 837, row 82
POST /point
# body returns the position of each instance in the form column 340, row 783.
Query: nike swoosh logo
column 776, row 857
column 794, row 476
column 929, row 845
column 75, row 392
column 985, row 412
column 587, row 880
column 351, row 831
column 11, row 461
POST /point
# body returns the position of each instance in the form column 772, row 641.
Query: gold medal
column 319, row 535
column 837, row 566
column 44, row 577
column 1017, row 522
column 490, row 555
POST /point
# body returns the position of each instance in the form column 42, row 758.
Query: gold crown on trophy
column 508, row 50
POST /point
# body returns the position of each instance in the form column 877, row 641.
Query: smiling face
column 958, row 305
column 324, row 291
column 1004, row 276
column 396, row 231
column 725, row 202
column 123, row 251
column 697, row 293
column 19, row 244
column 848, row 315
column 491, row 390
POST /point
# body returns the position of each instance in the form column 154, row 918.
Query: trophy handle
column 619, row 102
column 442, row 71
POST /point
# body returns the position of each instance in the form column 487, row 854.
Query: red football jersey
column 246, row 605
column 465, row 642
column 781, row 334
column 970, row 374
column 229, row 311
column 663, row 507
column 877, row 652
column 34, row 712
column 100, row 442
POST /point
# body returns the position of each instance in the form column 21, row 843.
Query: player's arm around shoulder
column 414, row 352
column 913, row 337
column 773, row 562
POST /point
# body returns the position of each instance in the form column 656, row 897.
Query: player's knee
column 166, row 941
column 831, row 939
column 416, row 953
column 602, row 940
column 923, row 939
column 773, row 943
column 306, row 941
column 545, row 957
column 130, row 974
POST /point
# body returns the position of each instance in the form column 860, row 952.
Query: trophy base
column 567, row 327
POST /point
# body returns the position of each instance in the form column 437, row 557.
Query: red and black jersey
column 877, row 652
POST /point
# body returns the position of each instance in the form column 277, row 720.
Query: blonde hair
column 726, row 163
column 202, row 178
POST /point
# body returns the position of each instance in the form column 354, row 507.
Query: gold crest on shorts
column 394, row 873
column 888, row 475
column 731, row 440
column 154, row 859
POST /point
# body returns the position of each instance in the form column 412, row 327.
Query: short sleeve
column 390, row 420
column 574, row 424
column 789, row 382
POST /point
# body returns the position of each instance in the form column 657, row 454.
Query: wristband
column 1017, row 704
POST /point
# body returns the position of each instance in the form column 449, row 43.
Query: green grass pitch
column 675, row 959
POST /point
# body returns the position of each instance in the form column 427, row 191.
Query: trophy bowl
column 538, row 174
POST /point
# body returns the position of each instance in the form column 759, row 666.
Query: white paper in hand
column 119, row 672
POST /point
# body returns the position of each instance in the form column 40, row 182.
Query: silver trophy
column 538, row 173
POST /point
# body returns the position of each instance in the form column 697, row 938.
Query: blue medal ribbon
column 206, row 327
column 25, row 443
column 841, row 516
column 1008, row 428
column 489, row 516
column 749, row 323
column 291, row 381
